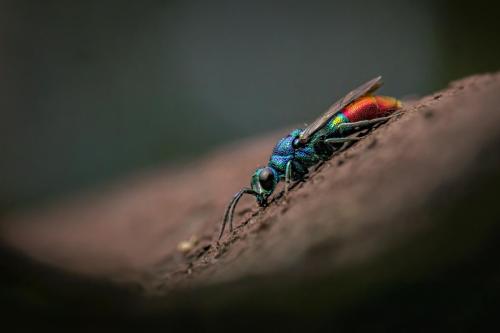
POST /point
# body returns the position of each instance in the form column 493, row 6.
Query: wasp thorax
column 266, row 178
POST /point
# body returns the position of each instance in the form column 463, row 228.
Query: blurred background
column 92, row 91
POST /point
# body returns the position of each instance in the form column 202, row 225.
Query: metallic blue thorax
column 284, row 152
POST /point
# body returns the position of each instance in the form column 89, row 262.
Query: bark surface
column 407, row 214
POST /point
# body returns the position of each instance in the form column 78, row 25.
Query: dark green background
column 91, row 91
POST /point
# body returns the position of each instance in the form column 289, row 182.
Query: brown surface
column 361, row 203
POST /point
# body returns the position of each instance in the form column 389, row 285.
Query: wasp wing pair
column 363, row 90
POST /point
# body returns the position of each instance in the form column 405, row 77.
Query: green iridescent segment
column 331, row 128
column 332, row 124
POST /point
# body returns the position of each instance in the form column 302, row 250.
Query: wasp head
column 263, row 182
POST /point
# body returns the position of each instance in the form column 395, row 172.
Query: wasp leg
column 294, row 172
column 355, row 125
column 323, row 150
column 288, row 176
column 364, row 123
column 340, row 140
column 339, row 144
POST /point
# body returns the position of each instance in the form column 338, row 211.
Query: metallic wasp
column 303, row 148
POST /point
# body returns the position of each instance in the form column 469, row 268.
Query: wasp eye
column 266, row 179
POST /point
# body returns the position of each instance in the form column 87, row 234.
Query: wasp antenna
column 228, row 215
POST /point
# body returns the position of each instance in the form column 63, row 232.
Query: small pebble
column 186, row 246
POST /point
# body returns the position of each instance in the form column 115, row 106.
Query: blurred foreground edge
column 440, row 272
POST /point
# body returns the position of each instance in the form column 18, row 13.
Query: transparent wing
column 364, row 89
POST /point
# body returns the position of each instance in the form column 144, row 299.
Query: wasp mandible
column 304, row 148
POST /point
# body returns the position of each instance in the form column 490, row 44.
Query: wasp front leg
column 294, row 171
column 288, row 176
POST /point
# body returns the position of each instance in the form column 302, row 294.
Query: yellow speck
column 187, row 245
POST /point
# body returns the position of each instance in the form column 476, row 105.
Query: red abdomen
column 371, row 107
